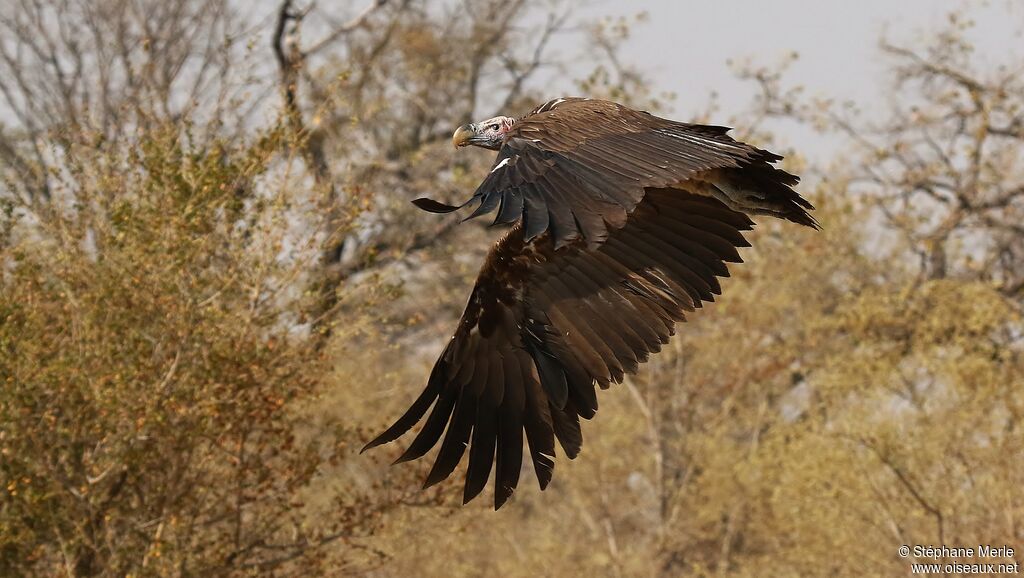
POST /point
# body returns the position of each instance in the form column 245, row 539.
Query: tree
column 209, row 298
column 852, row 391
column 164, row 357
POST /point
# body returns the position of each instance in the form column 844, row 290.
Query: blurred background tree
column 214, row 288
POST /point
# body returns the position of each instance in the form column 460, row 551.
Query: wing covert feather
column 575, row 167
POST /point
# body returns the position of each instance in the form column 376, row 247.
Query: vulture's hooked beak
column 464, row 135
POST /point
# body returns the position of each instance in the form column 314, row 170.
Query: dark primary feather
column 432, row 206
column 623, row 224
column 543, row 328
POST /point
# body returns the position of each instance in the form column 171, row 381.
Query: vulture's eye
column 493, row 127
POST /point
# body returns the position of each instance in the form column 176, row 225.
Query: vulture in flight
column 622, row 223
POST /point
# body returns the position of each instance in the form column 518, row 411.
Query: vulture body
column 622, row 223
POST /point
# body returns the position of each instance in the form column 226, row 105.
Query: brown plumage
column 623, row 222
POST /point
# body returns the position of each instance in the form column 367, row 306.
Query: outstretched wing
column 544, row 326
column 577, row 167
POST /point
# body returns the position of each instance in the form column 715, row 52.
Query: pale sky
column 685, row 45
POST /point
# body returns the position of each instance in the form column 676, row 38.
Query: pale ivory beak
column 463, row 134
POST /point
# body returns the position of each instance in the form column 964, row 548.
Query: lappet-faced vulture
column 622, row 223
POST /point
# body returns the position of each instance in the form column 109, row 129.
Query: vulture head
column 487, row 134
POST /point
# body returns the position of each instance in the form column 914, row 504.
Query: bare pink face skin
column 487, row 134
